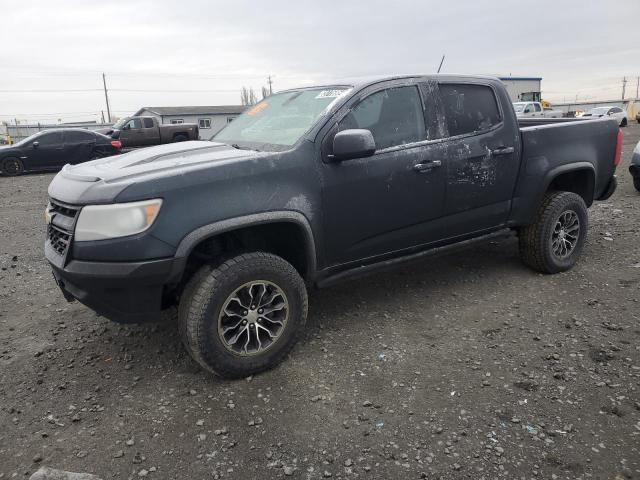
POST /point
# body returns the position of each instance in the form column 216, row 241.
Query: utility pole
column 624, row 86
column 270, row 85
column 441, row 62
column 106, row 97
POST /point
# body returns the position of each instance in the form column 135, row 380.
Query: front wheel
column 244, row 316
column 11, row 167
column 623, row 123
column 554, row 241
column 636, row 183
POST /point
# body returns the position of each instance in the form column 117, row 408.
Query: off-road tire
column 11, row 167
column 204, row 296
column 180, row 138
column 535, row 240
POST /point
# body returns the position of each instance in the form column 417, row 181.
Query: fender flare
column 188, row 243
column 567, row 168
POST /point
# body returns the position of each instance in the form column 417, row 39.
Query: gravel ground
column 464, row 366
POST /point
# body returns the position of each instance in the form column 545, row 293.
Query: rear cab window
column 147, row 122
column 469, row 108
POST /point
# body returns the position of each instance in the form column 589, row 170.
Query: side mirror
column 35, row 144
column 353, row 143
column 126, row 127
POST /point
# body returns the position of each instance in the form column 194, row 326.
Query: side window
column 537, row 107
column 53, row 138
column 74, row 136
column 204, row 122
column 469, row 108
column 616, row 109
column 528, row 108
column 147, row 122
column 134, row 123
column 394, row 116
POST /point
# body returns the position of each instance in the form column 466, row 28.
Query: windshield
column 120, row 123
column 280, row 120
column 599, row 111
column 519, row 107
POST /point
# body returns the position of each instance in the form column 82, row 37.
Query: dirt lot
column 465, row 366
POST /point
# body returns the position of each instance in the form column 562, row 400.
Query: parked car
column 145, row 131
column 313, row 186
column 634, row 168
column 534, row 109
column 638, row 117
column 51, row 149
column 614, row 112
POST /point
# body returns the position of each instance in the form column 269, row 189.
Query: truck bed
column 548, row 145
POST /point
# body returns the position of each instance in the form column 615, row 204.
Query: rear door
column 482, row 157
column 150, row 131
column 386, row 202
column 79, row 146
column 538, row 110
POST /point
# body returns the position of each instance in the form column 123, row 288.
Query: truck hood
column 161, row 158
column 102, row 180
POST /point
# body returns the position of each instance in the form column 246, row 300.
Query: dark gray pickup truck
column 145, row 131
column 313, row 186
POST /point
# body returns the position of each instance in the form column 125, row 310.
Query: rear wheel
column 244, row 316
column 180, row 138
column 12, row 166
column 554, row 242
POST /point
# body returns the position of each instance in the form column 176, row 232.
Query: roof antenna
column 441, row 62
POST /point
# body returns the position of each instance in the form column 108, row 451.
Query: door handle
column 502, row 151
column 426, row 166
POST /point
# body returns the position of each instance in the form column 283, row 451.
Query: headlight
column 99, row 222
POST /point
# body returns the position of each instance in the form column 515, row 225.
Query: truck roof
column 363, row 81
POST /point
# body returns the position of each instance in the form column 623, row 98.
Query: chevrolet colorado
column 312, row 186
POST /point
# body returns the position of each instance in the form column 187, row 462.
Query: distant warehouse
column 210, row 119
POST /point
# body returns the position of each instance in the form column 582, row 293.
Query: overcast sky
column 198, row 52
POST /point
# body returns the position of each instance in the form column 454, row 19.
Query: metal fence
column 15, row 133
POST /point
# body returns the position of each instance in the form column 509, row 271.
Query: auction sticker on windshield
column 331, row 93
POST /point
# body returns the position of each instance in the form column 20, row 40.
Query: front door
column 483, row 154
column 385, row 202
column 46, row 150
column 131, row 134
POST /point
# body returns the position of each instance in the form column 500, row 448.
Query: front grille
column 61, row 225
column 58, row 239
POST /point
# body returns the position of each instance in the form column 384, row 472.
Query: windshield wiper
column 238, row 147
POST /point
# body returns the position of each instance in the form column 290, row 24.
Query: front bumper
column 125, row 292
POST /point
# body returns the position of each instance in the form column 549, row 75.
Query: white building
column 210, row 119
column 525, row 89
